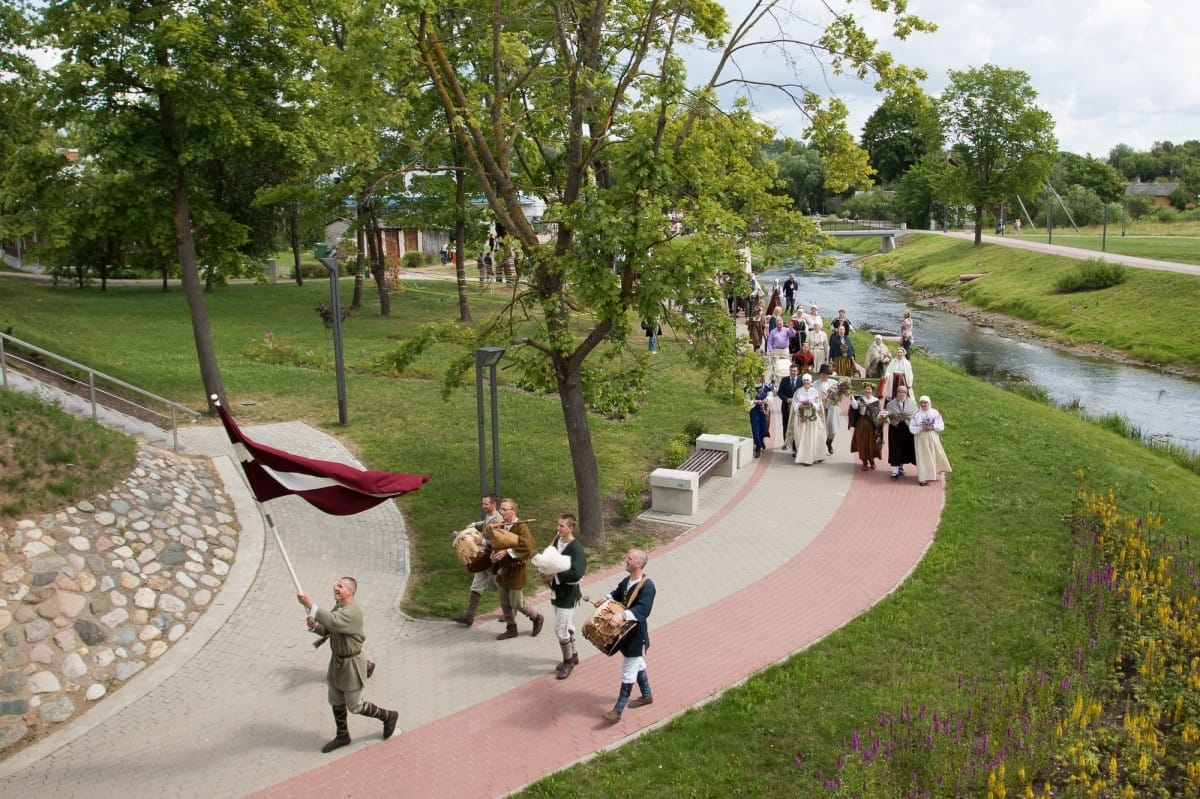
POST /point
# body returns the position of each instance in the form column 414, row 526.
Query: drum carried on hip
column 607, row 629
column 781, row 367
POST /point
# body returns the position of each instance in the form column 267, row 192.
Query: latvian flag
column 335, row 488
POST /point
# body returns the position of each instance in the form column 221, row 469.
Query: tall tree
column 899, row 133
column 1001, row 143
column 174, row 86
column 588, row 107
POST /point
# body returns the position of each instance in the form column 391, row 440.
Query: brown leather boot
column 510, row 627
column 468, row 618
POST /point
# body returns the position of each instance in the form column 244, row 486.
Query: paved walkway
column 1030, row 241
column 778, row 557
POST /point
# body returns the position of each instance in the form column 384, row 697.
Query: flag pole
column 282, row 550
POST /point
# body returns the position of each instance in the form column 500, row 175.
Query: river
column 1164, row 407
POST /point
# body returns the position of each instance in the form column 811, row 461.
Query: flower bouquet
column 839, row 392
column 807, row 411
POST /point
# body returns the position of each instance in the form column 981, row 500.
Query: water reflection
column 1163, row 406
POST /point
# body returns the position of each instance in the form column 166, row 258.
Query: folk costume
column 832, row 407
column 926, row 424
column 808, row 424
column 511, row 578
column 841, row 353
column 760, row 415
column 637, row 594
column 867, row 436
column 480, row 580
column 901, row 448
column 347, row 672
column 565, row 595
column 898, row 373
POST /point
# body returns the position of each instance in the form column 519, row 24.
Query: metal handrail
column 174, row 408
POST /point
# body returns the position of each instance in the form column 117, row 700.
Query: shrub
column 414, row 259
column 866, row 273
column 631, row 498
column 1091, row 275
column 881, row 277
column 676, row 451
column 693, row 429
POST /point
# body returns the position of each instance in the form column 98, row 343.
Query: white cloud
column 1109, row 72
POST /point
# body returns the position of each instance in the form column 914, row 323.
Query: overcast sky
column 1109, row 71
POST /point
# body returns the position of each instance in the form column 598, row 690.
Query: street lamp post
column 335, row 298
column 487, row 357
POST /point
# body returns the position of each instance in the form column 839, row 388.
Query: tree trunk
column 210, row 372
column 460, row 207
column 583, row 456
column 978, row 225
column 375, row 246
column 294, row 236
column 360, row 270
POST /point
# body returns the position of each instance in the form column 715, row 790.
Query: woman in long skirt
column 926, row 424
column 867, row 438
column 901, row 448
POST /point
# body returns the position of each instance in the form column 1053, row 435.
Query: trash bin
column 321, row 249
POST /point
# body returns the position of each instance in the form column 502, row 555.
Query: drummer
column 482, row 580
column 636, row 593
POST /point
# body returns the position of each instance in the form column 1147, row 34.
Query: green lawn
column 1021, row 283
column 978, row 608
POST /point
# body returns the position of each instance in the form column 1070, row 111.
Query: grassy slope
column 1020, row 283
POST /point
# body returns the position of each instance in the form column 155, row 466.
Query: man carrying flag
column 340, row 490
column 347, row 665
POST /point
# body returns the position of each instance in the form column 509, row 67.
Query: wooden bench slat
column 703, row 461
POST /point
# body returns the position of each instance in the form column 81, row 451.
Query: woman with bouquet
column 901, row 449
column 926, row 424
column 808, row 423
column 867, row 425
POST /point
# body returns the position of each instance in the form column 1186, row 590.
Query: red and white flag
column 335, row 488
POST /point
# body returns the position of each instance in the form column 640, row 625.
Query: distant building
column 1159, row 193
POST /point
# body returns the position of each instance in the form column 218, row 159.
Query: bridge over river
column 886, row 229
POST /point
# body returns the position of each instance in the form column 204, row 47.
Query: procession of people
column 824, row 392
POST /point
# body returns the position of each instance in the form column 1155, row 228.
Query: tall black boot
column 388, row 717
column 342, row 738
column 468, row 618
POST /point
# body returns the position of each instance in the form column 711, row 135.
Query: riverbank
column 928, row 267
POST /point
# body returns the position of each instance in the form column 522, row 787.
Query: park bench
column 677, row 491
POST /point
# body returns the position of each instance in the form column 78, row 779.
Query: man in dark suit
column 788, row 386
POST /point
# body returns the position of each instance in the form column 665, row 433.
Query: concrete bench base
column 677, row 491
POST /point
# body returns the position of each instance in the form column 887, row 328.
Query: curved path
column 237, row 708
column 1030, row 242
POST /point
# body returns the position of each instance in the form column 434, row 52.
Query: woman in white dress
column 899, row 372
column 808, row 423
column 926, row 424
column 818, row 339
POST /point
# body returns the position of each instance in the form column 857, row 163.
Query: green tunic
column 347, row 664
